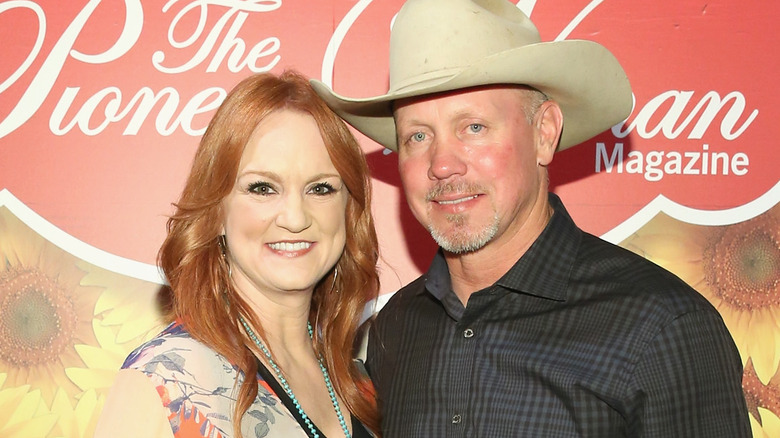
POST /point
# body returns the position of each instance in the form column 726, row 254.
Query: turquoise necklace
column 288, row 390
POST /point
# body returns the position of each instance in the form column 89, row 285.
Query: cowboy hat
column 446, row 45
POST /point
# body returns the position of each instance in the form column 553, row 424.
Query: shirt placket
column 462, row 360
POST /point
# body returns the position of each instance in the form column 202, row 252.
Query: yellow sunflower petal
column 664, row 224
column 737, row 322
column 76, row 423
column 87, row 379
column 667, row 246
column 98, row 358
column 128, row 304
column 764, row 364
column 28, row 419
column 763, row 348
column 62, row 408
column 758, row 432
column 106, row 337
column 26, row 409
column 689, row 272
column 108, row 301
column 770, row 422
column 87, row 413
column 38, row 427
column 10, row 398
column 144, row 325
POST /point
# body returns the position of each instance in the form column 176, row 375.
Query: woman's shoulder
column 198, row 386
column 194, row 382
column 175, row 356
column 174, row 338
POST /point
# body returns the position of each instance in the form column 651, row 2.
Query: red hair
column 198, row 274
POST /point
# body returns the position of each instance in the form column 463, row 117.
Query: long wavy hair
column 193, row 262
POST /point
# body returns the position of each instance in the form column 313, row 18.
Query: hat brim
column 583, row 77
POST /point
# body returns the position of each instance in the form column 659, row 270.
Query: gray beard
column 459, row 240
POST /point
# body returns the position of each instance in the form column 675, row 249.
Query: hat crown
column 433, row 40
column 444, row 45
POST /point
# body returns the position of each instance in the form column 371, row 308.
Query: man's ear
column 549, row 125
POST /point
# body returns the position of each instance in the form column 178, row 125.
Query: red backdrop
column 102, row 104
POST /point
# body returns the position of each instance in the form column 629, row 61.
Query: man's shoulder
column 401, row 300
column 621, row 270
column 391, row 326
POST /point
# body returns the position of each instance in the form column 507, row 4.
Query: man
column 524, row 325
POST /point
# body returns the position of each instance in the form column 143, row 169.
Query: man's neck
column 474, row 271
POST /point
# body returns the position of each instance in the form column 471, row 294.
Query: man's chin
column 460, row 241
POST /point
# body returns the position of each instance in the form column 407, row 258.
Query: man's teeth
column 287, row 246
column 457, row 201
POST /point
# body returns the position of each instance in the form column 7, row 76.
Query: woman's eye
column 322, row 189
column 261, row 188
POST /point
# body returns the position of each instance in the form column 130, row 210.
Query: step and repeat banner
column 102, row 104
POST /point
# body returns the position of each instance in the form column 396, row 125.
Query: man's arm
column 689, row 382
column 374, row 352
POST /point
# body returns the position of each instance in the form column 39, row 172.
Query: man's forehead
column 450, row 106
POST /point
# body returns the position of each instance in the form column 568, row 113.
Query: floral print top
column 195, row 384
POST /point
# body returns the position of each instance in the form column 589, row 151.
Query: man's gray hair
column 532, row 101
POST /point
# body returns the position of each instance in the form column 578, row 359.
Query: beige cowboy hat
column 445, row 45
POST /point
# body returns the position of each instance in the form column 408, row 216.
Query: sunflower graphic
column 737, row 268
column 763, row 401
column 126, row 314
column 22, row 412
column 65, row 328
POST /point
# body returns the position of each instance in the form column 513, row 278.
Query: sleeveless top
column 196, row 386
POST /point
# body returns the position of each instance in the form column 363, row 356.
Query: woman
column 271, row 258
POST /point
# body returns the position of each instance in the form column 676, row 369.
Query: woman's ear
column 549, row 125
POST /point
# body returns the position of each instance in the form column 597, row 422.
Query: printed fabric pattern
column 196, row 386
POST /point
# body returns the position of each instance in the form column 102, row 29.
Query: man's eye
column 476, row 127
column 261, row 188
column 418, row 137
column 322, row 189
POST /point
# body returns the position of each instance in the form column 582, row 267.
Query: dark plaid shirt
column 579, row 339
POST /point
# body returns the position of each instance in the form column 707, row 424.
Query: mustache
column 456, row 187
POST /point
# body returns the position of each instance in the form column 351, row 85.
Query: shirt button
column 468, row 333
column 456, row 419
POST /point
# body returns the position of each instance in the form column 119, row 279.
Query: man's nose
column 446, row 159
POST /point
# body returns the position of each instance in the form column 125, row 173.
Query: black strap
column 286, row 400
column 358, row 430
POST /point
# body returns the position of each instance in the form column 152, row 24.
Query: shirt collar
column 543, row 270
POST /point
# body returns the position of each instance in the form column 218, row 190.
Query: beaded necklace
column 288, row 390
